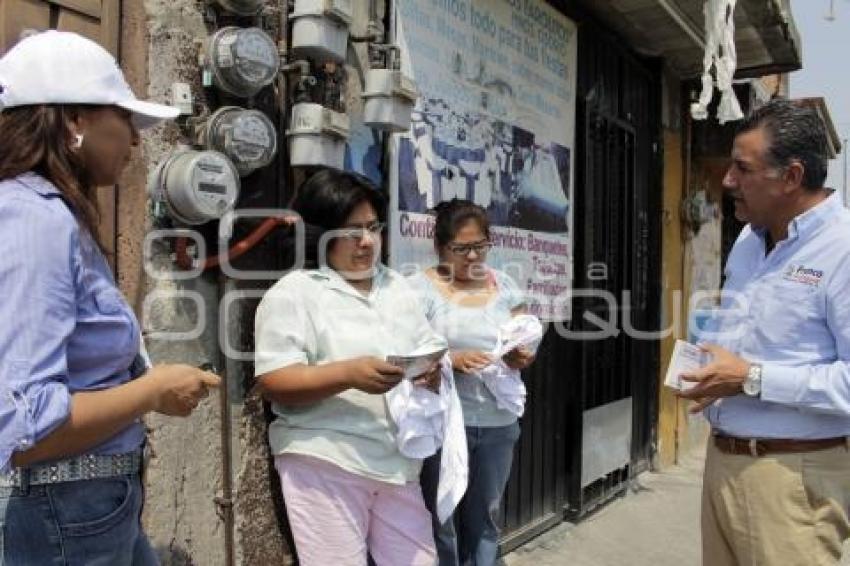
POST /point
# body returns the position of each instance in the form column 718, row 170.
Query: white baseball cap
column 59, row 67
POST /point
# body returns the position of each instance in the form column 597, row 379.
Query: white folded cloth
column 505, row 383
column 418, row 415
column 426, row 421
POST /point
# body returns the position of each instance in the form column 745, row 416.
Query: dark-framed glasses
column 462, row 250
column 355, row 233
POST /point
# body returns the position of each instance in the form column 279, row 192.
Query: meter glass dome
column 243, row 60
column 247, row 137
column 198, row 186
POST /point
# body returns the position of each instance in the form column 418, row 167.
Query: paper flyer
column 686, row 357
column 415, row 365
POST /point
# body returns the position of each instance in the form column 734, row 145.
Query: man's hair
column 794, row 132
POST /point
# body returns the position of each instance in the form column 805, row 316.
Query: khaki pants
column 776, row 510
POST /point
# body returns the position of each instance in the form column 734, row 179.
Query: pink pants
column 337, row 517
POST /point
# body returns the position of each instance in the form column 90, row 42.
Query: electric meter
column 196, row 186
column 247, row 137
column 389, row 100
column 242, row 60
column 320, row 28
column 242, row 7
column 317, row 136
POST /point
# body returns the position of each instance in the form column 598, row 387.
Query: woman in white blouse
column 322, row 337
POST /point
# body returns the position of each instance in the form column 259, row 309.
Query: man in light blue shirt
column 777, row 391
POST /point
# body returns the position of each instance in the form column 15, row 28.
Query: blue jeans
column 471, row 536
column 91, row 523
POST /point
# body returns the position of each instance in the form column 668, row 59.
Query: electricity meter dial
column 242, row 7
column 247, row 137
column 242, row 60
column 196, row 186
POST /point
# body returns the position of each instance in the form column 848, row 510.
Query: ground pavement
column 654, row 524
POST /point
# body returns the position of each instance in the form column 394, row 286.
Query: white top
column 472, row 328
column 315, row 317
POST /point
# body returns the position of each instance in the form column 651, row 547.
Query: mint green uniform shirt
column 315, row 317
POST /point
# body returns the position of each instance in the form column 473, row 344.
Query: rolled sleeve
column 283, row 331
column 38, row 282
column 29, row 411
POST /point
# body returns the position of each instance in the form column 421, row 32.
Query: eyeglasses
column 463, row 250
column 355, row 233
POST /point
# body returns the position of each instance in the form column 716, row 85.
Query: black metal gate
column 617, row 251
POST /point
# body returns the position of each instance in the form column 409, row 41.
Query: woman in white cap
column 73, row 384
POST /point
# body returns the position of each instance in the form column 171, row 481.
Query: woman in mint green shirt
column 322, row 337
column 466, row 301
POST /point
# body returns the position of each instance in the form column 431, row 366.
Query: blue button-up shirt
column 65, row 326
column 790, row 311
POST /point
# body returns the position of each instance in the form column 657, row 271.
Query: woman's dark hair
column 36, row 138
column 327, row 199
column 452, row 215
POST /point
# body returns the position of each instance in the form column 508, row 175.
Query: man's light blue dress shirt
column 790, row 311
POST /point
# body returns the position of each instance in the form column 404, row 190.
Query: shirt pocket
column 793, row 313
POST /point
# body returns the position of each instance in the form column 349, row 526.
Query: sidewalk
column 656, row 525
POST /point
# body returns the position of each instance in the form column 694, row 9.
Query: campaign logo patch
column 802, row 274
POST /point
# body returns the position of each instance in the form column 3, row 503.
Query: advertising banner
column 495, row 124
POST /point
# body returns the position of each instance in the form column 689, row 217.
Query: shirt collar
column 811, row 220
column 39, row 184
column 334, row 280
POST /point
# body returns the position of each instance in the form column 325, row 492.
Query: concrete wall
column 183, row 476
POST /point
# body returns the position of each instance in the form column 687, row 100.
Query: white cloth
column 720, row 53
column 418, row 415
column 426, row 421
column 506, row 386
column 505, row 383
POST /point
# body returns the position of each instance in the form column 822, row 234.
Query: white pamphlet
column 415, row 365
column 685, row 358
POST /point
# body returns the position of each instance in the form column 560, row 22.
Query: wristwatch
column 752, row 383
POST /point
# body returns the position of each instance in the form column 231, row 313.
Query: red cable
column 185, row 261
